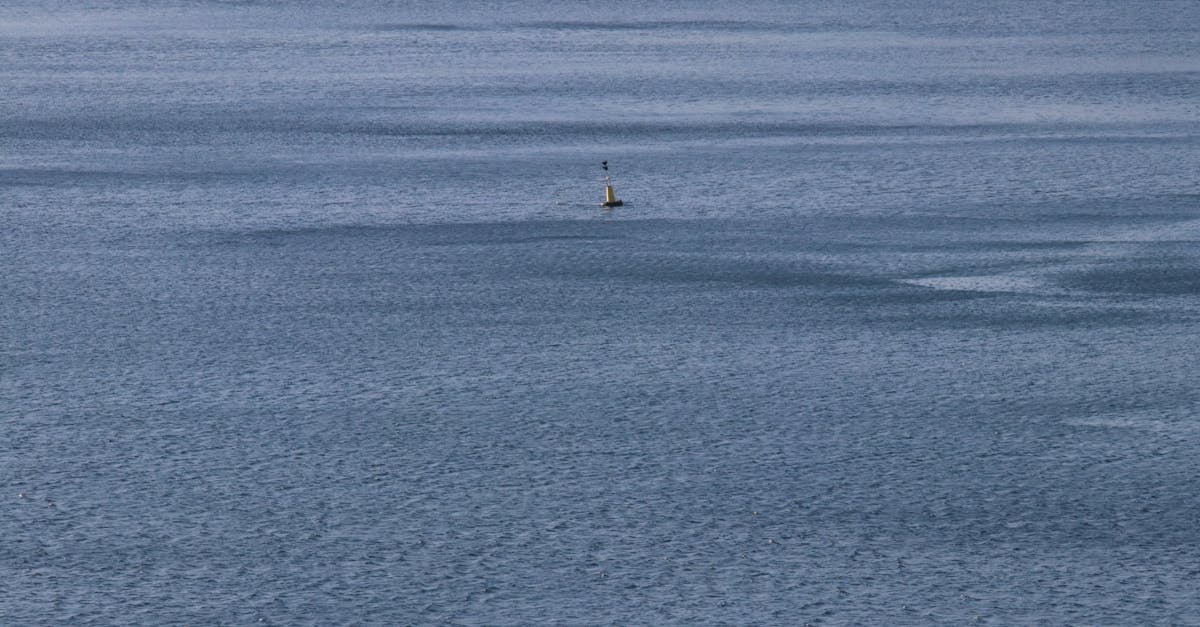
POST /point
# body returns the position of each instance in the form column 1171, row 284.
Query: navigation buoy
column 610, row 198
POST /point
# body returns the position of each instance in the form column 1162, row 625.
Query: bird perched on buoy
column 610, row 198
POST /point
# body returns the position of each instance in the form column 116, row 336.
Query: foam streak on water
column 311, row 316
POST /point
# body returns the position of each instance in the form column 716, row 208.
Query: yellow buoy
column 610, row 198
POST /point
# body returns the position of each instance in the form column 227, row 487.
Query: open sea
column 309, row 314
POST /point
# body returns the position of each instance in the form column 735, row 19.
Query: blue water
column 310, row 315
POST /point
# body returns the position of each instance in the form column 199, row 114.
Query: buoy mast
column 610, row 198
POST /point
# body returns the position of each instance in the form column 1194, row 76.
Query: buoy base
column 610, row 199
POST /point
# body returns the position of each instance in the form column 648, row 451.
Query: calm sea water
column 309, row 314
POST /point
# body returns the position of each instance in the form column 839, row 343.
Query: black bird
column 604, row 164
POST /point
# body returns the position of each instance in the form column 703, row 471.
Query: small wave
column 1170, row 423
column 983, row 283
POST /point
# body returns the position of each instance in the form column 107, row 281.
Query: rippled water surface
column 309, row 315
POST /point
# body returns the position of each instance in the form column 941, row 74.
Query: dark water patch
column 715, row 272
column 1148, row 277
column 610, row 129
column 967, row 246
column 391, row 27
column 1003, row 313
column 141, row 174
column 1045, row 214
column 306, row 233
column 145, row 126
column 667, row 26
column 15, row 177
column 631, row 250
column 1192, row 198
column 1165, row 84
column 532, row 239
column 473, row 234
column 1103, row 138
